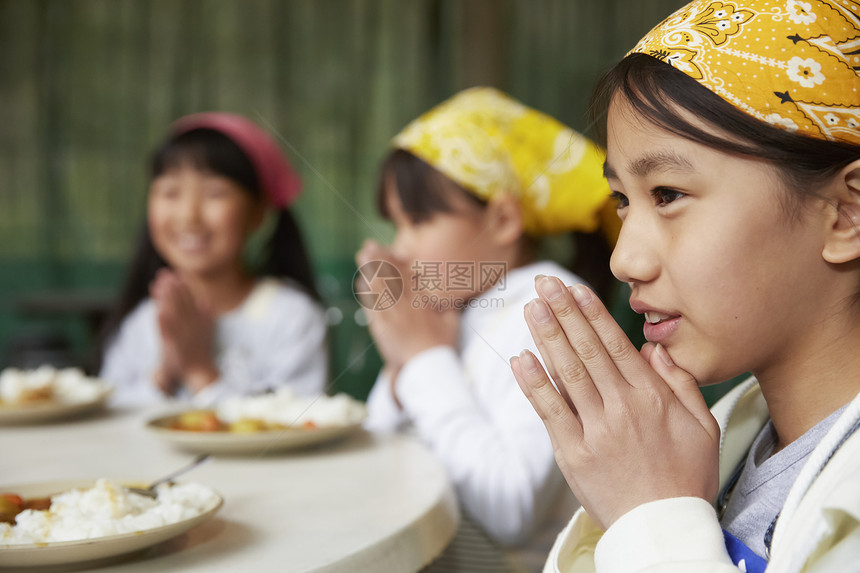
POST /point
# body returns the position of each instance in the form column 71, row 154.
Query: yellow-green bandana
column 491, row 144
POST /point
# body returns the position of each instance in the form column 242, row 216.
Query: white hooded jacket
column 818, row 529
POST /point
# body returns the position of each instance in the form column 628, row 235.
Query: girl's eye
column 215, row 191
column 619, row 198
column 416, row 220
column 166, row 190
column 664, row 196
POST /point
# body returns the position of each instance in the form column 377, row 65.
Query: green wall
column 88, row 87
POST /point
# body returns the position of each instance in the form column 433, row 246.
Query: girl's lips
column 660, row 331
column 190, row 243
column 659, row 325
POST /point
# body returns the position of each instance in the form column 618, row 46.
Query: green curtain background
column 88, row 88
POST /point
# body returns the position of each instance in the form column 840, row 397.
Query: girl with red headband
column 194, row 319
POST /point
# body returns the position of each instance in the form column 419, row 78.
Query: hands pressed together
column 627, row 426
column 409, row 326
column 187, row 332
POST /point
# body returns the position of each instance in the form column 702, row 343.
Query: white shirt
column 466, row 405
column 818, row 530
column 276, row 337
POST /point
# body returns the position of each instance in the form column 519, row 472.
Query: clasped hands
column 408, row 327
column 187, row 329
column 627, row 427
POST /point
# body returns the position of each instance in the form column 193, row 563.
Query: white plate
column 67, row 552
column 48, row 411
column 245, row 443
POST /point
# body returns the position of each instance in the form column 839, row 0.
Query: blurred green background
column 89, row 87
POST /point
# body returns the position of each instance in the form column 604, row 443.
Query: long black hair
column 660, row 93
column 208, row 150
column 424, row 191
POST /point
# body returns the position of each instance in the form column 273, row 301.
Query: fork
column 150, row 491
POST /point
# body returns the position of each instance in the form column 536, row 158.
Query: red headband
column 280, row 184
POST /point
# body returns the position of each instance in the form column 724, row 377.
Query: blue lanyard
column 742, row 556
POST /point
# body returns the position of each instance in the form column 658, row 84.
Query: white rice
column 67, row 386
column 286, row 408
column 106, row 509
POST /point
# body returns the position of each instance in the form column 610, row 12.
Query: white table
column 366, row 503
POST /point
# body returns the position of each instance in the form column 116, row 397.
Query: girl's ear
column 843, row 243
column 505, row 219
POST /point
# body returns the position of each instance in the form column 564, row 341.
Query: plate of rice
column 90, row 520
column 46, row 394
column 265, row 423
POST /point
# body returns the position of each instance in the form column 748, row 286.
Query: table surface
column 364, row 503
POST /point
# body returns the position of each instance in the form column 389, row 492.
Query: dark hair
column 425, row 191
column 210, row 151
column 659, row 92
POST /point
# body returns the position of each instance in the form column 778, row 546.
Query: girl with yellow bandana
column 471, row 185
column 733, row 149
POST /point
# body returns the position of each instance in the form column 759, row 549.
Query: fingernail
column 539, row 277
column 539, row 310
column 527, row 360
column 664, row 355
column 550, row 288
column 581, row 295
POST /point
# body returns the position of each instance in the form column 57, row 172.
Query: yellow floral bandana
column 791, row 63
column 491, row 144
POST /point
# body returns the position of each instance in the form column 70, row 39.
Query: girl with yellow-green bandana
column 471, row 186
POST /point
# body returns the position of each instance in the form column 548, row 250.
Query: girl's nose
column 634, row 258
column 188, row 209
column 401, row 247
